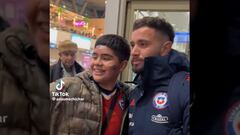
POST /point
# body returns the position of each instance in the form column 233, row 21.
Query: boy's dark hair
column 159, row 24
column 118, row 44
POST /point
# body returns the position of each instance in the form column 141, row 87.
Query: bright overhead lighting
column 105, row 2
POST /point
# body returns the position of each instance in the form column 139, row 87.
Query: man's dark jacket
column 159, row 105
column 56, row 70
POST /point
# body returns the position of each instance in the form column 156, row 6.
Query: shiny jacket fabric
column 24, row 95
column 79, row 117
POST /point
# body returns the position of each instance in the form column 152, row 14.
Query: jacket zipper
column 123, row 121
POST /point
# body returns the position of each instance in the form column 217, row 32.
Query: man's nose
column 70, row 57
column 135, row 51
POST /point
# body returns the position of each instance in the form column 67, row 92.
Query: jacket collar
column 158, row 70
column 87, row 78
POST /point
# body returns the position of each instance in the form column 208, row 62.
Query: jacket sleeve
column 186, row 119
column 53, row 91
column 50, row 74
column 62, row 110
column 57, row 108
column 186, row 107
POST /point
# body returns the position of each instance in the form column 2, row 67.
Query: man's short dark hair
column 118, row 44
column 159, row 24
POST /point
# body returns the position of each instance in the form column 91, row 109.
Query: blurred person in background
column 24, row 70
column 67, row 65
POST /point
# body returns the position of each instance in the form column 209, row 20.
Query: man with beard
column 159, row 105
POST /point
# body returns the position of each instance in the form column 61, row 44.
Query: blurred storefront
column 123, row 13
column 83, row 21
column 76, row 20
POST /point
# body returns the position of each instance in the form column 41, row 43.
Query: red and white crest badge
column 160, row 100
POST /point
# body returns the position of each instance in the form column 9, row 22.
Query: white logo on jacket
column 130, row 115
column 131, row 124
column 159, row 119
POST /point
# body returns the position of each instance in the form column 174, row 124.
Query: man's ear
column 123, row 65
column 166, row 48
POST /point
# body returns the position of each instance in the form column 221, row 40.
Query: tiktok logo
column 60, row 85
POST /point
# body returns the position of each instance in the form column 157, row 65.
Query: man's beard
column 137, row 71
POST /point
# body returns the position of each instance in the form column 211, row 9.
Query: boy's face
column 38, row 21
column 105, row 65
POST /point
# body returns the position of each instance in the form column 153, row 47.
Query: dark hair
column 159, row 24
column 118, row 44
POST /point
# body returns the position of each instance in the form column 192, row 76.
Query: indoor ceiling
column 179, row 20
column 100, row 4
column 88, row 8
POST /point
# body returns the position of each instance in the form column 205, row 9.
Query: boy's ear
column 123, row 65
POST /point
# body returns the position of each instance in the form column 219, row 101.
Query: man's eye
column 142, row 44
column 132, row 45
